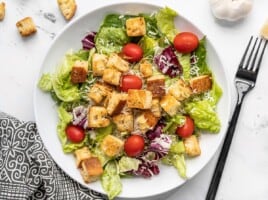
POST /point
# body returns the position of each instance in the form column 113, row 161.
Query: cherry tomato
column 130, row 82
column 134, row 145
column 75, row 133
column 185, row 42
column 132, row 52
column 187, row 129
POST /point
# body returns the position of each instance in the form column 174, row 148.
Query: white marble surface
column 246, row 171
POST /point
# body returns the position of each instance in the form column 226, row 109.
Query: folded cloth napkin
column 27, row 171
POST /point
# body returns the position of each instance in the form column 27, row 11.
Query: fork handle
column 213, row 187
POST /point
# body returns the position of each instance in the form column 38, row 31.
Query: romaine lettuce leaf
column 148, row 45
column 177, row 147
column 65, row 118
column 185, row 61
column 201, row 54
column 151, row 26
column 173, row 122
column 110, row 180
column 204, row 115
column 111, row 39
column 103, row 132
column 45, row 83
column 165, row 22
column 127, row 163
column 215, row 93
column 178, row 161
column 61, row 80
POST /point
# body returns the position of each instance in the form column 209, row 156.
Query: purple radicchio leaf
column 156, row 132
column 80, row 116
column 88, row 41
column 168, row 62
column 146, row 168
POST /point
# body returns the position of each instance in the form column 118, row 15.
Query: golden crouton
column 136, row 26
column 79, row 71
column 81, row 154
column 191, row 145
column 112, row 145
column 180, row 90
column 91, row 169
column 145, row 121
column 141, row 99
column 201, row 84
column 115, row 61
column 67, row 8
column 111, row 76
column 124, row 122
column 26, row 26
column 170, row 104
column 116, row 103
column 97, row 117
column 2, row 11
column 98, row 92
column 156, row 84
column 99, row 62
column 146, row 69
column 156, row 109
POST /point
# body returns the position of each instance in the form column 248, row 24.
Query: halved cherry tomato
column 187, row 129
column 185, row 42
column 75, row 133
column 134, row 145
column 132, row 52
column 130, row 82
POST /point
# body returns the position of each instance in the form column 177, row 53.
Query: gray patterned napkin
column 27, row 171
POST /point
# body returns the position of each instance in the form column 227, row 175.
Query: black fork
column 245, row 80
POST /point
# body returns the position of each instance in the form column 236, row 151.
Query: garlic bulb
column 230, row 10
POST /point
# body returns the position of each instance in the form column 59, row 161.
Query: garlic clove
column 231, row 10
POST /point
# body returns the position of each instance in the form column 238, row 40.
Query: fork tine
column 245, row 53
column 250, row 55
column 251, row 67
column 260, row 58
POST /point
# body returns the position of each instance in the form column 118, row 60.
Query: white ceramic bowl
column 46, row 115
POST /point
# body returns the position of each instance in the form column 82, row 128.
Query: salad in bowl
column 138, row 94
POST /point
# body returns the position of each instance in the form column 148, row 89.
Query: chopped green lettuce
column 110, row 180
column 185, row 61
column 61, row 81
column 110, row 39
column 127, row 163
column 165, row 22
column 65, row 118
column 178, row 161
column 45, row 83
column 148, row 45
column 173, row 122
column 103, row 132
column 97, row 151
column 204, row 115
column 215, row 93
column 115, row 20
column 177, row 147
column 201, row 54
column 151, row 26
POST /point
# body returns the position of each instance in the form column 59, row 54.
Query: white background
column 246, row 171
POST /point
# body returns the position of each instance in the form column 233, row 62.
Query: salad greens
column 162, row 143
